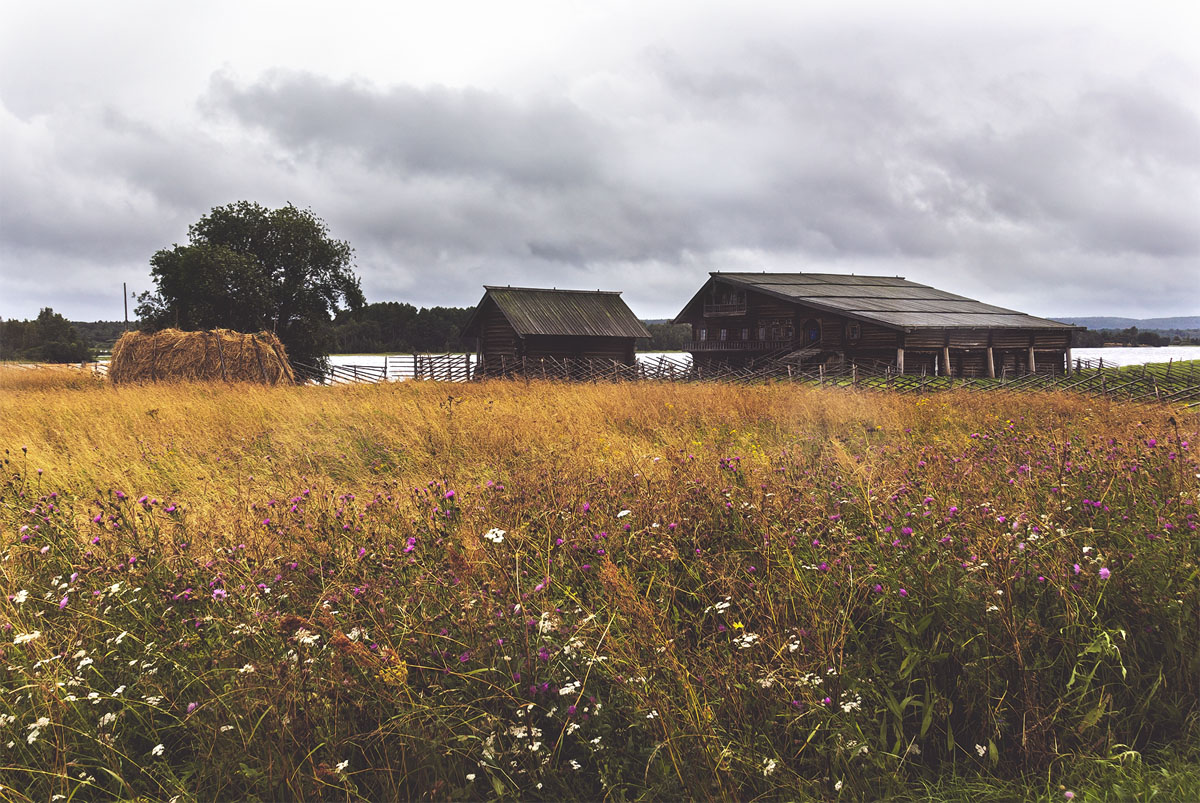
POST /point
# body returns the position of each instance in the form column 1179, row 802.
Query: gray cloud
column 987, row 164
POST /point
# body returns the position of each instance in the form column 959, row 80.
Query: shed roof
column 538, row 311
column 891, row 301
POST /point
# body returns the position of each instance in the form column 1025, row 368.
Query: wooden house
column 513, row 325
column 877, row 321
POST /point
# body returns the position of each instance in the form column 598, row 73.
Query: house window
column 724, row 334
column 703, row 333
column 745, row 334
column 762, row 332
column 853, row 331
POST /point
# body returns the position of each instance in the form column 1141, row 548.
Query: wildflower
column 157, row 750
column 119, row 690
column 495, row 535
column 22, row 638
column 191, row 707
column 837, row 787
column 306, row 638
column 575, row 765
column 341, row 766
column 769, row 765
column 980, row 749
column 623, row 514
column 108, row 719
column 247, row 669
column 1069, row 795
column 63, row 603
column 904, row 592
column 1105, row 573
column 20, row 596
column 449, row 494
column 219, row 594
column 471, row 776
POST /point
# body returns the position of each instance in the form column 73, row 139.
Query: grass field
column 631, row 591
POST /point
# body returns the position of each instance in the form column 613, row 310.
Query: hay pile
column 221, row 354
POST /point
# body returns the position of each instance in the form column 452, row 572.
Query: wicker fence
column 1168, row 383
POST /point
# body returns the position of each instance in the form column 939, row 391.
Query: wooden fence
column 1167, row 383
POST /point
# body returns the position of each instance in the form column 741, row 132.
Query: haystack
column 221, row 354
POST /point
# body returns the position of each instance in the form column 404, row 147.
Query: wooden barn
column 878, row 321
column 513, row 325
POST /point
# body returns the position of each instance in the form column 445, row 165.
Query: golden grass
column 202, row 442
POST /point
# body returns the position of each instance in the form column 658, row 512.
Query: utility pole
column 125, row 298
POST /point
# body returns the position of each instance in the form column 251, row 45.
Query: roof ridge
column 549, row 289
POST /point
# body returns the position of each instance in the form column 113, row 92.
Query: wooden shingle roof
column 536, row 311
column 891, row 301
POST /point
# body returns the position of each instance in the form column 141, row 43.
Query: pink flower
column 191, row 707
column 1105, row 573
column 64, row 602
column 904, row 592
column 449, row 494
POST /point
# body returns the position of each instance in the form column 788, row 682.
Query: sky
column 1043, row 159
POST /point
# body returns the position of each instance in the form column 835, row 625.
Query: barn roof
column 891, row 301
column 537, row 311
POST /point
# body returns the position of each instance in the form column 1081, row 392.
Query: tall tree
column 247, row 267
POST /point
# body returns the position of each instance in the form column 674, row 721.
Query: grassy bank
column 628, row 591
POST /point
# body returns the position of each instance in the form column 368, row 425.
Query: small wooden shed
column 512, row 325
column 824, row 318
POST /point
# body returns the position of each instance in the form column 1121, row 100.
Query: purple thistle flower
column 1105, row 573
column 64, row 602
column 219, row 594
column 904, row 592
column 449, row 494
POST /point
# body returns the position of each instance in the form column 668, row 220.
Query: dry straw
column 221, row 354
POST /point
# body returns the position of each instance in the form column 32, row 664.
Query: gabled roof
column 534, row 311
column 890, row 301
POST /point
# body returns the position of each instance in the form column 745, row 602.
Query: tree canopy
column 250, row 268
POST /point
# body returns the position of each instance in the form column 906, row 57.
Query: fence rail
column 1169, row 383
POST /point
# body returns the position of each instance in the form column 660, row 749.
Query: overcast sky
column 1045, row 160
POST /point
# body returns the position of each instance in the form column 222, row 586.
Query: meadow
column 537, row 590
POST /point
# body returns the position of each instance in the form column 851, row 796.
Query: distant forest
column 48, row 338
column 1097, row 338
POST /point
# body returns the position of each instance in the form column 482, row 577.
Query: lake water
column 1138, row 356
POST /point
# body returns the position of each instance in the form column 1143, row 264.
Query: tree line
column 1098, row 338
column 48, row 338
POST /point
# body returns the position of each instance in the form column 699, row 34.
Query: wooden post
column 900, row 360
column 385, row 376
column 991, row 364
column 1068, row 363
column 1032, row 362
column 946, row 370
column 221, row 357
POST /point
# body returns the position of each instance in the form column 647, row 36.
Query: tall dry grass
column 700, row 590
